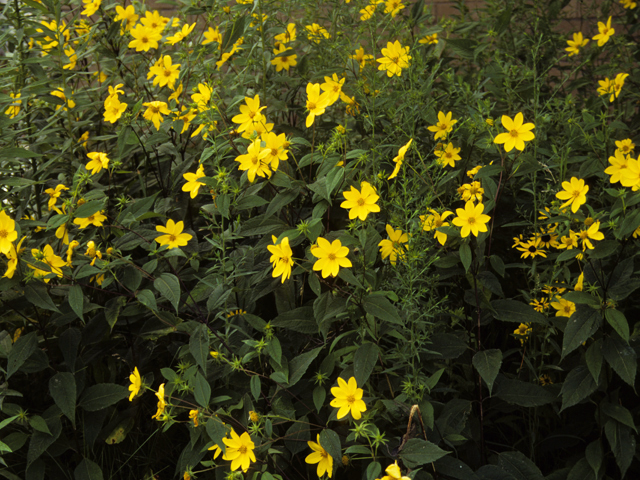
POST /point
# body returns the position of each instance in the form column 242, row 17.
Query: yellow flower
column 161, row 403
column 576, row 44
column 569, row 241
column 281, row 258
column 352, row 106
column 7, row 232
column 575, row 193
column 348, row 398
column 630, row 4
column 253, row 161
column 96, row 220
column 72, row 245
column 333, row 87
column 630, row 176
column 165, row 72
column 473, row 172
column 471, row 219
column 392, row 247
column 360, row 203
column 539, row 305
column 136, row 383
column 212, row 35
column 202, row 97
column 619, row 163
column 154, row 112
column 193, row 415
column 361, row 57
column 393, row 473
column 434, row 221
column 591, row 233
column 249, row 114
column 331, row 256
column 564, row 308
column 154, row 21
column 429, row 39
column 68, row 102
column 92, row 252
column 315, row 32
column 84, row 138
column 283, row 61
column 99, row 160
column 90, row 7
column 517, row 133
column 63, row 234
column 193, row 184
column 289, row 35
column 579, row 283
column 545, row 380
column 144, row 38
column 127, row 14
column 395, row 57
column 181, row 34
column 472, row 191
column 522, row 332
column 50, row 258
column 73, row 58
column 275, row 145
column 604, row 32
column 12, row 259
column 54, row 194
column 239, row 450
column 617, row 84
column 444, row 125
column 448, row 156
column 399, row 159
column 173, row 235
column 185, row 115
column 316, row 103
column 13, row 109
column 625, row 146
column 531, row 248
column 393, row 7
column 254, row 416
column 321, row 457
column 113, row 110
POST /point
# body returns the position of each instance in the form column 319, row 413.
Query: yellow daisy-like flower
column 393, row 7
column 575, row 193
column 249, row 113
column 161, row 403
column 448, row 156
column 127, row 14
column 564, row 308
column 630, row 176
column 517, row 133
column 47, row 256
column 154, row 112
column 348, row 398
column 576, row 44
column 289, row 35
column 193, row 415
column 321, row 457
column 173, row 235
column 99, row 160
column 392, row 247
column 113, row 110
column 8, row 232
column 276, row 146
column 434, row 221
column 531, row 248
column 181, row 34
column 239, row 450
column 166, row 72
column 619, row 163
column 604, row 32
column 316, row 102
column 471, row 219
column 395, row 57
column 96, row 220
column 625, row 146
column 539, row 305
column 333, row 87
column 193, row 185
column 281, row 258
column 254, row 161
column 212, row 35
column 361, row 57
column 429, row 39
column 331, row 256
column 144, row 38
column 136, row 383
column 360, row 202
column 444, row 125
column 591, row 233
column 393, row 472
column 283, row 62
column 13, row 109
column 399, row 159
column 316, row 33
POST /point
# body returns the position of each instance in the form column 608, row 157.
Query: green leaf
column 379, row 306
column 297, row 436
column 578, row 385
column 232, row 34
column 147, row 298
column 112, row 310
column 603, row 249
column 594, row 358
column 21, row 350
column 319, row 396
column 76, row 300
column 102, row 396
column 62, row 387
column 619, row 413
column 254, row 384
column 40, row 441
column 201, row 390
column 299, row 365
column 465, row 256
column 622, row 442
column 168, row 286
column 364, row 362
column 517, row 312
column 621, row 357
column 454, row 468
column 199, row 346
column 417, row 452
column 373, row 470
column 619, row 322
column 524, row 394
column 87, row 470
column 37, row 423
column 594, row 454
column 36, row 293
column 519, row 466
column 330, row 441
column 299, row 320
column 90, row 208
column 487, row 363
column 582, row 471
column 584, row 322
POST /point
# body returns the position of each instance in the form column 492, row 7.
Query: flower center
column 360, row 202
column 532, row 249
column 155, row 110
column 575, row 194
column 351, row 399
column 4, row 234
column 144, row 40
column 567, row 308
column 172, row 238
column 471, row 220
column 332, row 257
column 274, row 152
column 243, row 450
column 546, row 238
column 514, row 133
column 311, row 106
column 254, row 160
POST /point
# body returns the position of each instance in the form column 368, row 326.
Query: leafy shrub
column 339, row 240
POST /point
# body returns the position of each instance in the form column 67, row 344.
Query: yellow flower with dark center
column 166, row 72
column 619, row 163
column 591, row 233
column 289, row 35
column 253, row 161
column 393, row 7
column 531, row 248
column 46, row 255
column 144, row 38
column 281, row 61
column 99, row 160
column 275, row 145
column 127, row 14
column 395, row 57
column 7, row 232
column 154, row 112
column 400, row 158
column 239, row 450
column 517, row 133
column 429, row 39
column 568, row 241
column 435, row 221
column 392, row 247
column 545, row 380
column 321, row 457
column 625, row 146
column 193, row 185
column 360, row 202
column 136, row 383
column 361, row 57
column 333, row 87
column 575, row 193
column 604, row 32
column 173, row 235
column 539, row 305
column 249, row 114
column 181, row 34
column 316, row 33
column 316, row 103
column 443, row 126
column 96, row 220
column 472, row 191
column 348, row 398
column 548, row 239
column 393, row 472
column 331, row 256
column 564, row 308
column 448, row 156
column 471, row 219
column 576, row 44
column 161, row 403
column 212, row 35
column 281, row 258
column 13, row 109
column 553, row 290
column 193, row 415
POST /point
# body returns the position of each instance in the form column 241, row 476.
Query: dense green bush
column 285, row 239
